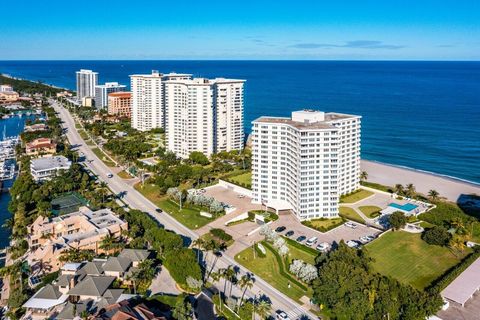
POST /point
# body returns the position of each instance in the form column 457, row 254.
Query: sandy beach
column 391, row 175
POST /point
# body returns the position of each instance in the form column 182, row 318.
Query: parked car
column 241, row 196
column 352, row 244
column 290, row 233
column 371, row 237
column 324, row 246
column 364, row 239
column 301, row 239
column 281, row 315
column 109, row 175
column 280, row 229
column 311, row 241
column 350, row 225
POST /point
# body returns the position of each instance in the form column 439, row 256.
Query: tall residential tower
column 204, row 115
column 86, row 82
column 102, row 92
column 306, row 162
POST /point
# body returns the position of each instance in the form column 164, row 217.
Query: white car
column 352, row 244
column 311, row 241
column 281, row 315
column 324, row 246
column 370, row 237
column 364, row 239
column 350, row 225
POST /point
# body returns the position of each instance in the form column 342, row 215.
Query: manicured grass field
column 189, row 217
column 407, row 258
column 349, row 213
column 302, row 254
column 124, row 175
column 356, row 196
column 99, row 153
column 370, row 211
column 269, row 270
column 244, row 178
column 323, row 225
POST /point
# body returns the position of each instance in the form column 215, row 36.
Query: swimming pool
column 405, row 207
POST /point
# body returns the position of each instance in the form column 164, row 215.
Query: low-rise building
column 37, row 127
column 84, row 230
column 9, row 96
column 45, row 168
column 41, row 147
column 120, row 104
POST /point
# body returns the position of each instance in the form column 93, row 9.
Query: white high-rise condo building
column 204, row 115
column 102, row 91
column 148, row 101
column 86, row 82
column 306, row 162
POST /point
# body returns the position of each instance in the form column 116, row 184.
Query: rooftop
column 465, row 285
column 120, row 94
column 50, row 163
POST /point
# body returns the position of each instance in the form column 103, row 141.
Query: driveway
column 163, row 283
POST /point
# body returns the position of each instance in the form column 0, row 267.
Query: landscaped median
column 102, row 156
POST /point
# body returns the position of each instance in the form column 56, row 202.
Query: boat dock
column 7, row 153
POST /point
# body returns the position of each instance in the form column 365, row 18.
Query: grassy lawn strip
column 99, row 153
column 355, row 196
column 83, row 135
column 151, row 192
column 323, row 224
column 190, row 217
column 271, row 269
column 124, row 175
column 243, row 179
column 370, row 211
column 300, row 251
column 350, row 214
column 407, row 258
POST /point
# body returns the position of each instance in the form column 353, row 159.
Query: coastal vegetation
column 29, row 87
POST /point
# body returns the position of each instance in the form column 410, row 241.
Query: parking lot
column 333, row 236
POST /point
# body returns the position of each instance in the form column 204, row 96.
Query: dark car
column 290, row 233
column 280, row 229
column 301, row 239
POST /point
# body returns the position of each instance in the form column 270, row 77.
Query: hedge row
column 281, row 266
column 221, row 234
column 302, row 247
column 451, row 274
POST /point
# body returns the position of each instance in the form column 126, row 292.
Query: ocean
column 420, row 115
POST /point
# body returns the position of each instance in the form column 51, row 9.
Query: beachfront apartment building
column 305, row 162
column 86, row 82
column 102, row 91
column 204, row 115
column 148, row 100
column 46, row 168
column 120, row 104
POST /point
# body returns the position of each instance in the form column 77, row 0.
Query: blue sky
column 261, row 29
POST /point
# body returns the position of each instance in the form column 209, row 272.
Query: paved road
column 136, row 200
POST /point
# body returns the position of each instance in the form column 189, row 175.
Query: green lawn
column 324, row 224
column 189, row 217
column 355, row 196
column 370, row 211
column 243, row 179
column 269, row 270
column 351, row 214
column 124, row 175
column 376, row 186
column 100, row 154
column 407, row 258
column 83, row 135
column 300, row 251
column 151, row 192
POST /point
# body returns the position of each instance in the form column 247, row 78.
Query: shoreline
column 451, row 188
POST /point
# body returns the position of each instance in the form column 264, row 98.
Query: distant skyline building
column 148, row 101
column 86, row 82
column 6, row 88
column 120, row 104
column 102, row 91
column 306, row 162
column 204, row 115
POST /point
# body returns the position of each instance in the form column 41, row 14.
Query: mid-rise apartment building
column 204, row 115
column 148, row 101
column 86, row 82
column 102, row 92
column 120, row 104
column 306, row 162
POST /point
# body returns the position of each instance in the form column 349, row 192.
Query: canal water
column 8, row 128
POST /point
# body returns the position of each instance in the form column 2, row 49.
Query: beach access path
column 389, row 175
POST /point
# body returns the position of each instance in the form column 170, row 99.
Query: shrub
column 251, row 216
column 437, row 235
column 182, row 264
column 397, row 220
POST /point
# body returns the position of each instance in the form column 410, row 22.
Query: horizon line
column 267, row 60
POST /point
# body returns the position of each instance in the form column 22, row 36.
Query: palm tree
column 399, row 189
column 245, row 282
column 410, row 190
column 216, row 276
column 263, row 308
column 364, row 176
column 457, row 242
column 103, row 187
column 231, row 276
column 198, row 243
column 433, row 195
